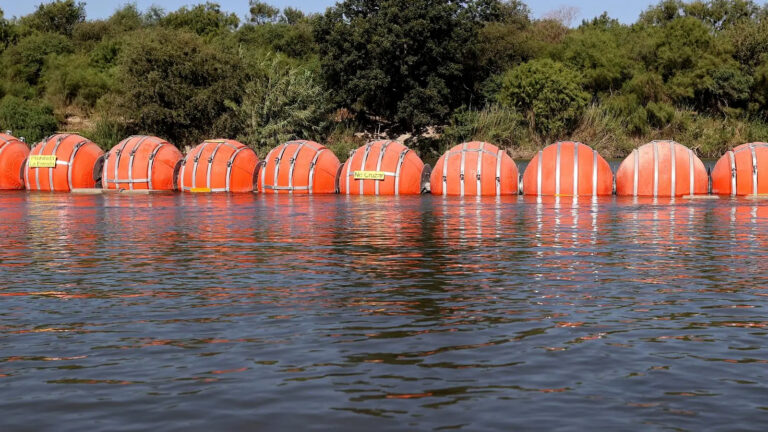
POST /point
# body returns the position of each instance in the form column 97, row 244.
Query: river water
column 253, row 312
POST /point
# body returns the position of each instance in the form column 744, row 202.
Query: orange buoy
column 568, row 169
column 141, row 162
column 383, row 168
column 219, row 165
column 475, row 169
column 63, row 162
column 662, row 169
column 300, row 167
column 13, row 151
column 737, row 172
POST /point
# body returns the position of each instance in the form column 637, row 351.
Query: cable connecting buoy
column 701, row 197
column 299, row 167
column 474, row 169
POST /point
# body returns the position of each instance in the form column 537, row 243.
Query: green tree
column 262, row 13
column 175, row 85
column 204, row 19
column 31, row 120
column 410, row 61
column 280, row 102
column 548, row 92
column 60, row 16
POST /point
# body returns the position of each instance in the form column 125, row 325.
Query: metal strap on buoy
column 230, row 162
column 264, row 169
column 72, row 160
column 277, row 164
column 311, row 179
column 636, row 153
column 754, row 168
column 557, row 171
column 538, row 172
column 151, row 163
column 445, row 173
column 293, row 164
column 210, row 164
column 362, row 165
column 655, row 169
column 479, row 171
column 382, row 150
column 576, row 169
column 50, row 170
column 732, row 160
column 499, row 156
column 691, row 177
column 673, row 169
column 594, row 173
column 399, row 168
column 463, row 161
column 349, row 165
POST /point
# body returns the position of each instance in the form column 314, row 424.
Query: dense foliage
column 433, row 71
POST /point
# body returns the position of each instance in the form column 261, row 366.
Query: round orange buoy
column 63, row 162
column 141, row 162
column 568, row 169
column 219, row 165
column 662, row 169
column 300, row 167
column 12, row 154
column 474, row 168
column 383, row 168
column 737, row 172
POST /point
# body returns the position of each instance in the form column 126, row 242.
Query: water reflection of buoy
column 63, row 162
column 12, row 154
column 219, row 166
column 383, row 168
column 300, row 167
column 662, row 169
column 568, row 169
column 141, row 162
column 737, row 172
column 475, row 169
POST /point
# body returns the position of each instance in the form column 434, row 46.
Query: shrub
column 548, row 93
column 31, row 120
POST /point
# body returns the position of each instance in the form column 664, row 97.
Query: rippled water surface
column 180, row 312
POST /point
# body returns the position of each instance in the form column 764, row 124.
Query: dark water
column 184, row 312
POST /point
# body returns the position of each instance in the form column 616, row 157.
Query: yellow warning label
column 42, row 161
column 200, row 190
column 369, row 175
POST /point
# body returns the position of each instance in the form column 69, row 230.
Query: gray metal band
column 479, row 171
column 445, row 173
column 286, row 188
column 690, row 169
column 499, row 156
column 278, row 160
column 348, row 163
column 732, row 160
column 378, row 164
column 293, row 164
column 55, row 149
column 72, row 160
column 538, row 172
column 463, row 161
column 120, row 151
column 129, row 181
column 210, row 165
column 557, row 171
column 230, row 163
column 576, row 169
column 754, row 169
column 151, row 164
column 655, row 169
column 311, row 179
column 196, row 161
column 399, row 167
column 636, row 152
column 673, row 167
column 594, row 173
column 362, row 165
column 264, row 169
